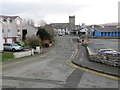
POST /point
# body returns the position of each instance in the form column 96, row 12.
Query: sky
column 58, row 11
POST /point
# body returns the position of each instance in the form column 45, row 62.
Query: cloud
column 86, row 11
column 43, row 10
column 41, row 7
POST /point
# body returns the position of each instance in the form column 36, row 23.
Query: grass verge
column 5, row 56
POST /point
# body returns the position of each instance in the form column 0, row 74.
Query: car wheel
column 13, row 50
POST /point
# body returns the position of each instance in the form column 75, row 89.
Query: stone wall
column 106, row 58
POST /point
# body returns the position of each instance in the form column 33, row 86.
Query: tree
column 43, row 34
column 50, row 30
column 29, row 21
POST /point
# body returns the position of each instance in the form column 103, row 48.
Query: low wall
column 23, row 53
column 106, row 37
column 105, row 58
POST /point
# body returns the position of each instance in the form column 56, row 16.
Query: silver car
column 12, row 46
column 108, row 51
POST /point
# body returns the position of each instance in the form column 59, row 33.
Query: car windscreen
column 107, row 50
column 13, row 44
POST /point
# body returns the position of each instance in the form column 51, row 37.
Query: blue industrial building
column 106, row 31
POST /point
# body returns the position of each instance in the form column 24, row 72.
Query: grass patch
column 5, row 56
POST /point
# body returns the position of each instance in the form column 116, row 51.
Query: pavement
column 82, row 60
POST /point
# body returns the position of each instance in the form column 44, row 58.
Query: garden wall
column 23, row 53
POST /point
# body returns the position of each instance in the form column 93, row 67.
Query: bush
column 51, row 31
column 33, row 41
column 43, row 34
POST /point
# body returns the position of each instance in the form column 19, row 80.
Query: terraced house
column 11, row 28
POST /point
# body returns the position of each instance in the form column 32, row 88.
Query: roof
column 107, row 29
column 60, row 25
column 11, row 17
column 0, row 21
column 24, row 25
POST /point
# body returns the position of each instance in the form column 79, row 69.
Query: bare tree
column 41, row 23
column 29, row 21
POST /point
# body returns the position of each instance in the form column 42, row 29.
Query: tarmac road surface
column 50, row 70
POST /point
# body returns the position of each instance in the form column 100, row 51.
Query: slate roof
column 25, row 24
column 60, row 25
column 108, row 29
column 11, row 17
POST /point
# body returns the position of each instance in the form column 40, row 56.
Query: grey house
column 28, row 30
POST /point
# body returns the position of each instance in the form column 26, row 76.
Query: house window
column 9, row 30
column 18, row 22
column 118, row 33
column 93, row 33
column 18, row 30
column 101, row 33
column 105, row 33
column 4, row 20
column 10, row 20
column 108, row 33
column 2, row 30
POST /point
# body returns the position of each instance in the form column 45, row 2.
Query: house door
column 24, row 32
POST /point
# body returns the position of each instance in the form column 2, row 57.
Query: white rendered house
column 1, row 37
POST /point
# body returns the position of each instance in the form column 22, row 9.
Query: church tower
column 72, row 22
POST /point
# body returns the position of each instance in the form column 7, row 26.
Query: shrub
column 33, row 41
column 43, row 34
column 50, row 30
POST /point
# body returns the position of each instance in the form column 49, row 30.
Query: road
column 50, row 70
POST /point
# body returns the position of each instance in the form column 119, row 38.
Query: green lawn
column 5, row 56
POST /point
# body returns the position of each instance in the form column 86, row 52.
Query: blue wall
column 98, row 33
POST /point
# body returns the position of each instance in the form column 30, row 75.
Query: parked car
column 60, row 34
column 12, row 46
column 107, row 51
column 20, row 43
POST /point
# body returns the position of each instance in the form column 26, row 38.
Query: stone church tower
column 72, row 22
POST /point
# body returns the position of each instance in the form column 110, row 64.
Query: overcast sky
column 58, row 11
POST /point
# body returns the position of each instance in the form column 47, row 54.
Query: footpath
column 82, row 60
